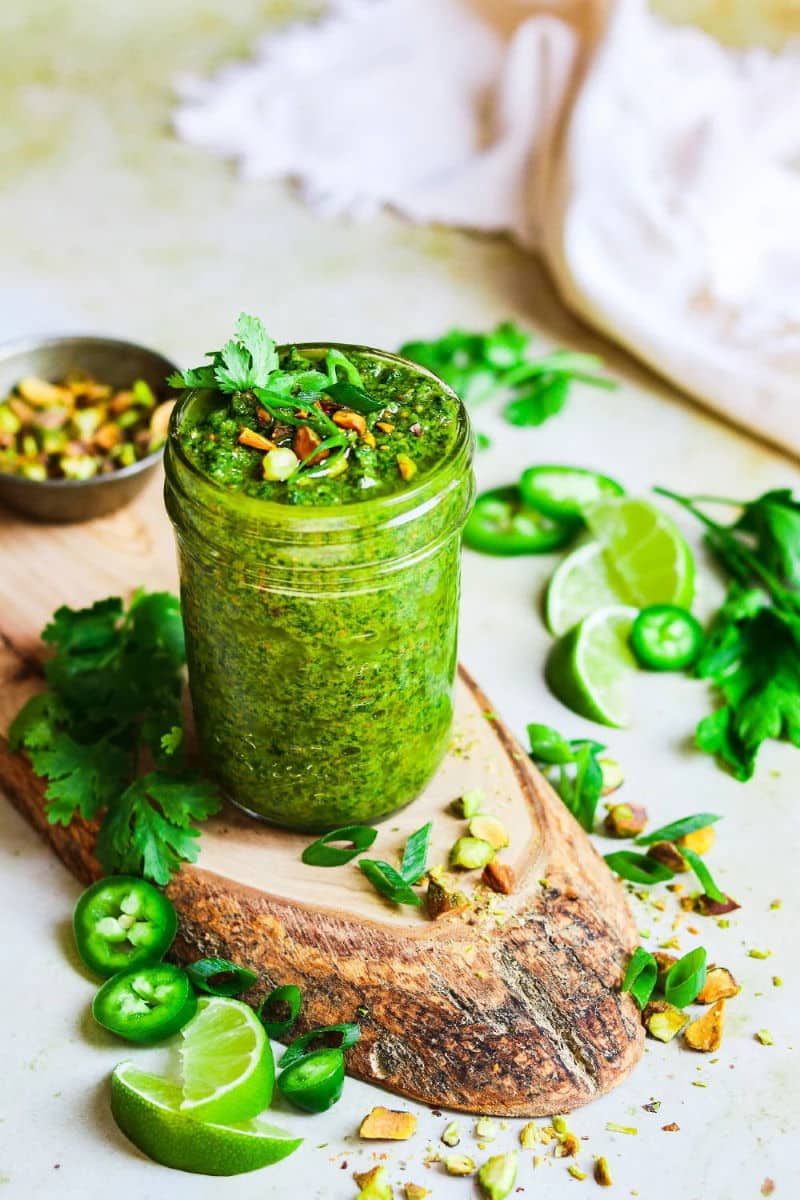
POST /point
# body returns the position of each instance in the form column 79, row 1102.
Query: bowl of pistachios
column 83, row 421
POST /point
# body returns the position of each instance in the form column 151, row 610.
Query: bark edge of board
column 521, row 1018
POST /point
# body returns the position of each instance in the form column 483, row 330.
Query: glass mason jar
column 321, row 641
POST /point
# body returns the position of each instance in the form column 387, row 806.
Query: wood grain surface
column 510, row 1008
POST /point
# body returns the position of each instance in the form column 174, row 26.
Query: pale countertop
column 111, row 226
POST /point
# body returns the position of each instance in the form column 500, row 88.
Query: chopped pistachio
column 668, row 854
column 452, row 1135
column 471, row 853
column 765, row 1037
column 719, row 985
column 612, row 1127
column 497, row 1176
column 612, row 774
column 559, row 1124
column 441, row 901
column 374, row 1184
column 759, row 953
column 664, row 1021
column 413, row 1191
column 468, row 805
column 699, row 840
column 568, row 1145
column 577, row 1173
column 499, row 877
column 705, row 1034
column 489, row 829
column 529, row 1136
column 625, row 820
column 777, row 981
column 279, row 464
column 715, row 908
column 388, row 1124
column 459, row 1164
column 485, row 1129
column 776, row 904
column 602, row 1172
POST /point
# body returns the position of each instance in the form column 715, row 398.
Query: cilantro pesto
column 318, row 496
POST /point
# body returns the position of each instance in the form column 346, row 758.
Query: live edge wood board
column 512, row 1008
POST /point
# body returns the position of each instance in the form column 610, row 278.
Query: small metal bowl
column 109, row 361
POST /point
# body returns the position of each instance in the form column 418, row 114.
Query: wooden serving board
column 510, row 1008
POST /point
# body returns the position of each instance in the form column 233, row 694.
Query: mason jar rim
column 319, row 518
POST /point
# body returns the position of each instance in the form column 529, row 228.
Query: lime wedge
column 226, row 1062
column 580, row 583
column 147, row 1109
column 647, row 557
column 589, row 669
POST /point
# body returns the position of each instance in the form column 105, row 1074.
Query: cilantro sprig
column 502, row 363
column 752, row 651
column 108, row 735
column 248, row 368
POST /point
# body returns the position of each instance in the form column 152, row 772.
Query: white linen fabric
column 656, row 171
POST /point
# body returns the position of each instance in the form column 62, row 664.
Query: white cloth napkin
column 656, row 171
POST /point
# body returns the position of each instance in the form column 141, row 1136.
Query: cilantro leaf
column 774, row 520
column 84, row 778
column 233, row 368
column 501, row 363
column 36, row 723
column 263, row 353
column 149, row 830
column 246, row 361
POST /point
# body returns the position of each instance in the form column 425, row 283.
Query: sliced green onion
column 547, row 745
column 288, row 996
column 685, row 978
column 640, row 976
column 354, row 397
column 219, row 977
column 415, row 854
column 678, row 829
column 299, row 1048
column 638, row 868
column 335, row 358
column 386, row 880
column 704, row 876
column 323, row 853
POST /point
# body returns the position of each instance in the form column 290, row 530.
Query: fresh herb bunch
column 572, row 767
column 108, row 735
column 248, row 367
column 482, row 365
column 752, row 651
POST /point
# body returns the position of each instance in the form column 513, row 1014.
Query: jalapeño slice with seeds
column 146, row 1003
column 502, row 523
column 120, row 922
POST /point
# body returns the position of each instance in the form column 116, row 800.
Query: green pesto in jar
column 321, row 611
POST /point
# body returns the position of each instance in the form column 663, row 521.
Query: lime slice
column 589, row 669
column 148, row 1111
column 647, row 557
column 226, row 1062
column 580, row 584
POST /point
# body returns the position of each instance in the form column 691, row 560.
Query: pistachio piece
column 498, row 1175
column 441, row 901
column 452, row 1135
column 715, row 908
column 489, row 829
column 719, row 985
column 471, row 853
column 664, row 1021
column 705, row 1034
column 374, row 1184
column 529, row 1136
column 668, row 854
column 486, row 1129
column 612, row 776
column 279, row 464
column 468, row 805
column 406, row 466
column 256, row 441
column 413, row 1191
column 459, row 1164
column 625, row 820
column 602, row 1172
column 499, row 877
column 388, row 1124
column 346, row 419
column 699, row 840
column 568, row 1145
